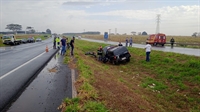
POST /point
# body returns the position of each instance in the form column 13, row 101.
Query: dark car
column 38, row 40
column 31, row 40
column 115, row 54
column 24, row 40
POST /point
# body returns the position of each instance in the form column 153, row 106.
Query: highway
column 187, row 51
column 19, row 65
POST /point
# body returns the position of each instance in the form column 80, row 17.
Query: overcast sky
column 178, row 17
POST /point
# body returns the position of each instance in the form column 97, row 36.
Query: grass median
column 169, row 82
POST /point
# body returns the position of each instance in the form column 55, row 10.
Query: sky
column 177, row 17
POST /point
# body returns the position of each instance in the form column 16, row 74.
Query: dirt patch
column 116, row 95
column 53, row 70
column 71, row 63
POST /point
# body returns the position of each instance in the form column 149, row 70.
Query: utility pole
column 109, row 33
column 158, row 23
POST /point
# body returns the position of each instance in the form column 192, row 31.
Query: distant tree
column 144, row 33
column 194, row 34
column 133, row 33
column 48, row 31
column 30, row 29
column 14, row 27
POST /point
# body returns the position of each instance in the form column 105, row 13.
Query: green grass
column 72, row 105
column 79, row 104
column 154, row 84
column 175, row 76
column 93, row 106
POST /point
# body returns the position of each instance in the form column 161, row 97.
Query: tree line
column 17, row 27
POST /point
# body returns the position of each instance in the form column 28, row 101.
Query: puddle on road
column 47, row 91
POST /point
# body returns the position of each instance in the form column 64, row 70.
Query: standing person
column 130, row 42
column 63, row 44
column 54, row 42
column 148, row 51
column 126, row 41
column 100, row 53
column 172, row 42
column 72, row 45
column 58, row 42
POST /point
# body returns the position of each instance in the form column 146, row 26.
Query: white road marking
column 3, row 76
column 74, row 93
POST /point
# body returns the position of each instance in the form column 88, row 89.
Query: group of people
column 130, row 41
column 64, row 45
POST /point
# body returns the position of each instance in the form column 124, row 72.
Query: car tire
column 116, row 62
column 128, row 59
column 105, row 60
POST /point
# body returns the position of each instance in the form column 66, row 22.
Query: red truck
column 156, row 39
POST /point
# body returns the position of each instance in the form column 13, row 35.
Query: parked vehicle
column 24, row 40
column 156, row 39
column 38, row 40
column 10, row 40
column 31, row 40
column 116, row 54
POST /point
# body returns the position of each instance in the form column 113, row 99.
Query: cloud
column 183, row 19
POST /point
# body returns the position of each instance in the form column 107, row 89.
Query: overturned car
column 115, row 54
column 112, row 54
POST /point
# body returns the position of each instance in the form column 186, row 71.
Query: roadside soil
column 112, row 90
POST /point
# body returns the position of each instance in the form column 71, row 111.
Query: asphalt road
column 18, row 65
column 187, row 51
column 48, row 89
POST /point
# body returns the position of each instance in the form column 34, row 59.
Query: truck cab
column 10, row 40
column 156, row 39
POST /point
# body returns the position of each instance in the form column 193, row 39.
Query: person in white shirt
column 148, row 51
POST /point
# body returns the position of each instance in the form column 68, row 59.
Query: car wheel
column 116, row 62
column 105, row 60
column 128, row 59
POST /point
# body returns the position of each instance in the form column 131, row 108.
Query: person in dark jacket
column 72, row 46
column 172, row 42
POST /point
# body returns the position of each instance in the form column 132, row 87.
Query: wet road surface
column 19, row 65
column 47, row 91
column 187, row 51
